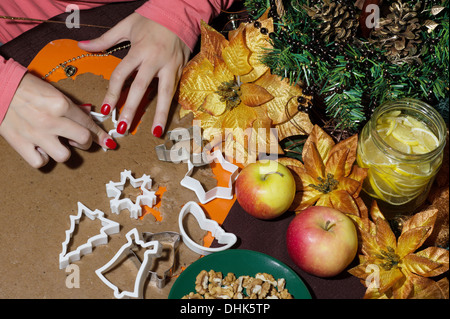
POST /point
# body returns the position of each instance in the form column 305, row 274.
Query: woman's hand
column 155, row 52
column 39, row 115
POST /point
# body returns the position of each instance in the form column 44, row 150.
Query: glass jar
column 402, row 147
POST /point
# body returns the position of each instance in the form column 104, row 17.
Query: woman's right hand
column 39, row 115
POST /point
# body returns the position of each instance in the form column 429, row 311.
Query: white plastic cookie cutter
column 153, row 249
column 114, row 189
column 218, row 191
column 222, row 237
column 109, row 227
column 98, row 117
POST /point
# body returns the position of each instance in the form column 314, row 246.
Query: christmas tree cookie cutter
column 134, row 239
column 117, row 204
column 218, row 191
column 222, row 237
column 177, row 147
column 109, row 227
column 167, row 239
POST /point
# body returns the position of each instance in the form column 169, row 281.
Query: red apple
column 322, row 241
column 265, row 189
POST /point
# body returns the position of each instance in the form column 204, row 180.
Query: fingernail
column 157, row 131
column 106, row 108
column 121, row 127
column 84, row 41
column 111, row 144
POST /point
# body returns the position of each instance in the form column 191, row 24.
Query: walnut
column 192, row 296
column 201, row 282
column 212, row 285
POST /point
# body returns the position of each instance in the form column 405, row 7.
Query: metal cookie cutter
column 222, row 237
column 179, row 151
column 218, row 191
column 165, row 239
column 114, row 189
column 109, row 227
column 153, row 249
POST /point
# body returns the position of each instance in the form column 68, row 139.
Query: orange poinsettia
column 391, row 267
column 232, row 93
column 327, row 176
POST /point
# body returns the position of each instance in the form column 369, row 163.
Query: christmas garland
column 327, row 48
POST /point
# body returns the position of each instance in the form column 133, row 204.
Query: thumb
column 104, row 42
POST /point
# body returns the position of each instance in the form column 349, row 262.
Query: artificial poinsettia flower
column 327, row 176
column 391, row 267
column 232, row 93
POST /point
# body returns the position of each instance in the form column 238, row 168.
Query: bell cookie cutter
column 153, row 249
column 167, row 239
column 109, row 227
column 222, row 237
column 114, row 189
column 180, row 151
column 218, row 191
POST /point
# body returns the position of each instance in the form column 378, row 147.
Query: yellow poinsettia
column 327, row 176
column 232, row 93
column 391, row 267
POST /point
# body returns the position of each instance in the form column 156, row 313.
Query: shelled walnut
column 212, row 285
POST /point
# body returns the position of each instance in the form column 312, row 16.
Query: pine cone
column 399, row 33
column 339, row 21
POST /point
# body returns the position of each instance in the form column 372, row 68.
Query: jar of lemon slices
column 402, row 147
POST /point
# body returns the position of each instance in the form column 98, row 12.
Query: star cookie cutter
column 114, row 189
column 109, row 227
column 166, row 239
column 180, row 150
column 218, row 191
column 153, row 249
column 222, row 237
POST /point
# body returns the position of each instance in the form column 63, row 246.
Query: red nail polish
column 121, row 127
column 106, row 108
column 111, row 144
column 86, row 105
column 157, row 131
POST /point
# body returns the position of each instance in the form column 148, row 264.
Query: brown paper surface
column 36, row 205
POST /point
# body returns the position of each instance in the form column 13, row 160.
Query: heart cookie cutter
column 222, row 237
column 218, row 191
column 109, row 227
column 114, row 189
column 153, row 250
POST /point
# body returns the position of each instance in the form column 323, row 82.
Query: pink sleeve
column 183, row 17
column 11, row 74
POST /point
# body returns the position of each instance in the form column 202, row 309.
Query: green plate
column 240, row 262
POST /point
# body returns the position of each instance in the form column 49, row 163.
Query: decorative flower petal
column 385, row 237
column 351, row 145
column 436, row 254
column 283, row 106
column 336, row 163
column 420, row 265
column 344, row 202
column 409, row 241
column 313, row 161
column 236, row 55
column 254, row 95
column 323, row 141
column 299, row 124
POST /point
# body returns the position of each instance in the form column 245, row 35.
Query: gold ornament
column 230, row 91
column 327, row 176
column 392, row 267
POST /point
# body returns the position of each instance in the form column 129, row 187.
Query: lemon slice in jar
column 425, row 138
